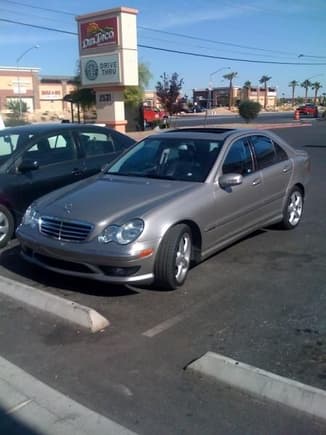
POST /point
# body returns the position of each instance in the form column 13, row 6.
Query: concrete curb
column 71, row 311
column 39, row 409
column 262, row 383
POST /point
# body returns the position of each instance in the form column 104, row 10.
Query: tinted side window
column 264, row 150
column 281, row 154
column 238, row 159
column 96, row 143
column 53, row 149
column 121, row 142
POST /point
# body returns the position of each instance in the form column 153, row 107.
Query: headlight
column 31, row 217
column 122, row 234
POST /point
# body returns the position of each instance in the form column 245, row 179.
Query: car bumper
column 89, row 260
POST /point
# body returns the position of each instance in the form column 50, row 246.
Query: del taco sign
column 98, row 33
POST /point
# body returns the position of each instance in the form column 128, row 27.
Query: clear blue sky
column 292, row 31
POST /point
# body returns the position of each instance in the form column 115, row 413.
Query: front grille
column 65, row 230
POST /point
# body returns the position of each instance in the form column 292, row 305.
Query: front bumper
column 115, row 264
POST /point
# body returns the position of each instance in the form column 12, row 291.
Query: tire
column 293, row 209
column 173, row 258
column 7, row 226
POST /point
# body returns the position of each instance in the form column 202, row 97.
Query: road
column 261, row 301
column 201, row 119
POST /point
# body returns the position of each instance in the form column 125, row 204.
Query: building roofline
column 19, row 68
column 54, row 77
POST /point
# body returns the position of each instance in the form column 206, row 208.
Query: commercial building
column 215, row 97
column 219, row 96
column 43, row 95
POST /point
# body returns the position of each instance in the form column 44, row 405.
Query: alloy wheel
column 295, row 208
column 182, row 261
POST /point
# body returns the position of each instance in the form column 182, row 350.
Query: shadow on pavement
column 12, row 262
column 9, row 425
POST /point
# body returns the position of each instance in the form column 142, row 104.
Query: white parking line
column 163, row 326
column 18, row 407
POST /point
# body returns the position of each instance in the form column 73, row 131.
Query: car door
column 50, row 162
column 237, row 209
column 100, row 147
column 276, row 169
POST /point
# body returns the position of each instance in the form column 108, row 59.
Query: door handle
column 256, row 181
column 77, row 171
column 286, row 169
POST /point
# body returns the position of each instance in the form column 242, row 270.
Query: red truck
column 308, row 109
column 153, row 115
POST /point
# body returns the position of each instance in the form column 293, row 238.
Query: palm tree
column 230, row 77
column 247, row 87
column 263, row 80
column 293, row 84
column 316, row 86
column 306, row 84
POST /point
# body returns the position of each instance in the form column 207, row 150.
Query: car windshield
column 11, row 142
column 179, row 159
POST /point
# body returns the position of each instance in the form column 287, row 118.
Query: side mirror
column 229, row 180
column 28, row 165
column 104, row 167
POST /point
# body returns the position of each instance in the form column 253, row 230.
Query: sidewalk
column 30, row 407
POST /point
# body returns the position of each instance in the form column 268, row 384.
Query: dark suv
column 308, row 109
column 38, row 158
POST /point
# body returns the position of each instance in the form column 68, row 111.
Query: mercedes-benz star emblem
column 68, row 208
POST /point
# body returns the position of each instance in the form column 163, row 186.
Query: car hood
column 111, row 199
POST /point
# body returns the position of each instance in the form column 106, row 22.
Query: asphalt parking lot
column 261, row 301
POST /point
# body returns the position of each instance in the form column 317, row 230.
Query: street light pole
column 210, row 84
column 19, row 58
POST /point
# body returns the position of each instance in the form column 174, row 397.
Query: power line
column 188, row 53
column 41, row 8
column 230, row 51
column 226, row 58
column 51, row 29
column 214, row 41
column 175, row 34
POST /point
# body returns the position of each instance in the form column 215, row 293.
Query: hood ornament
column 68, row 208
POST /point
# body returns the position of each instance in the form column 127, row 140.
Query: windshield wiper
column 126, row 174
column 160, row 177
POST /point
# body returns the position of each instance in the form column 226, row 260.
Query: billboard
column 98, row 33
column 98, row 70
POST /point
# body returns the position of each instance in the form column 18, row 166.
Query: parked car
column 38, row 158
column 172, row 200
column 197, row 109
column 308, row 109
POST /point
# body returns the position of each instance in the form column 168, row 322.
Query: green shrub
column 249, row 110
column 11, row 121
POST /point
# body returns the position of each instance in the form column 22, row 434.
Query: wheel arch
column 300, row 186
column 195, row 236
column 11, row 209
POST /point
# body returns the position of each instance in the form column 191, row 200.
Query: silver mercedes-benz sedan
column 170, row 201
